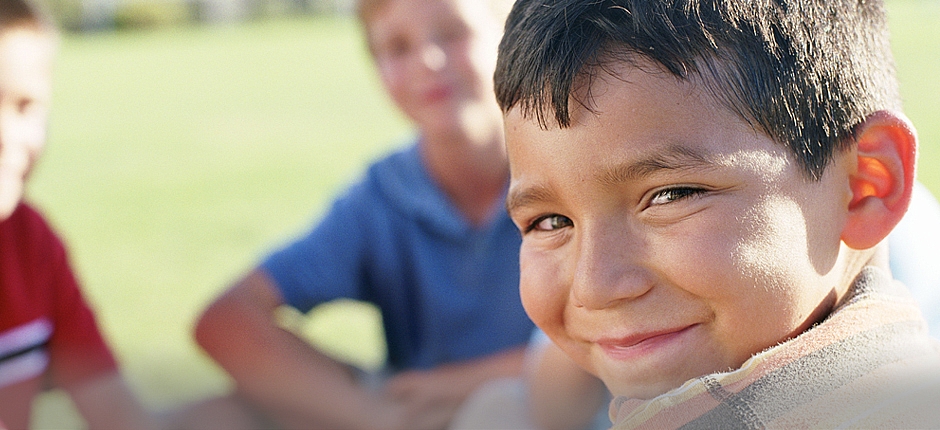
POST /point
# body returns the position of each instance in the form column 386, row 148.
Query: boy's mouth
column 437, row 94
column 642, row 343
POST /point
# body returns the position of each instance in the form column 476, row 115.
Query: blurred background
column 190, row 137
column 93, row 15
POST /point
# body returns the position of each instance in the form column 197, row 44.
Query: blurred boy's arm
column 562, row 395
column 298, row 386
column 106, row 402
column 290, row 381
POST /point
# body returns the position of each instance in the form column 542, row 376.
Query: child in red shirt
column 48, row 334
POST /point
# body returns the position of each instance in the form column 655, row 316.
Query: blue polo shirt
column 447, row 291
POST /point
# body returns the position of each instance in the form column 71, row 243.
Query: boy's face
column 664, row 238
column 436, row 59
column 26, row 58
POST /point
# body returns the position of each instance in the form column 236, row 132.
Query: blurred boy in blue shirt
column 424, row 236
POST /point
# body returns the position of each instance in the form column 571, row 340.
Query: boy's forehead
column 373, row 12
column 27, row 42
column 630, row 87
column 366, row 8
column 386, row 17
column 636, row 119
column 26, row 58
column 594, row 89
column 30, row 34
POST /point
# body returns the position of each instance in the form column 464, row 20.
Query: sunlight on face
column 26, row 58
column 663, row 237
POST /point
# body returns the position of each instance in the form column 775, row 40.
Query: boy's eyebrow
column 674, row 157
column 519, row 197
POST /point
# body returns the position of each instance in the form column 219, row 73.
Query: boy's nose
column 608, row 270
column 433, row 57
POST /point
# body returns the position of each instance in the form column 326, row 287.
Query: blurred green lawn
column 178, row 157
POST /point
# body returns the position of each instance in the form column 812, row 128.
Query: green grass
column 915, row 31
column 178, row 157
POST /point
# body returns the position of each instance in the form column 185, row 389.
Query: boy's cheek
column 32, row 133
column 542, row 289
column 771, row 238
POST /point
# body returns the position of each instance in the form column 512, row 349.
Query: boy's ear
column 883, row 180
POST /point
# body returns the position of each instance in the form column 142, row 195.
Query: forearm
column 476, row 372
column 293, row 383
column 307, row 389
column 106, row 402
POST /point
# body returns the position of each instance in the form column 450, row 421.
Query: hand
column 433, row 397
column 427, row 399
column 106, row 402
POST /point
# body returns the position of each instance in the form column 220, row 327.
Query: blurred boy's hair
column 24, row 14
column 365, row 9
column 805, row 72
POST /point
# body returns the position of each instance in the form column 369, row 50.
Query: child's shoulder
column 26, row 219
column 28, row 231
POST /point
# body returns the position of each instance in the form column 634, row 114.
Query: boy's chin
column 9, row 200
column 643, row 391
column 649, row 386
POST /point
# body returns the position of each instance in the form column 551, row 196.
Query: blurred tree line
column 99, row 15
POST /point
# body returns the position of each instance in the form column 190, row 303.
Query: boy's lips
column 437, row 94
column 635, row 345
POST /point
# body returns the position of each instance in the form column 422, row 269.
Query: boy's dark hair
column 23, row 14
column 805, row 72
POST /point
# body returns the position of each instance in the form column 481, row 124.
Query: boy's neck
column 858, row 260
column 473, row 173
column 843, row 275
column 854, row 261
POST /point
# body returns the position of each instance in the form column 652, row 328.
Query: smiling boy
column 704, row 187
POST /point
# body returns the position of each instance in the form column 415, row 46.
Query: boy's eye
column 394, row 48
column 451, row 34
column 550, row 223
column 24, row 105
column 670, row 195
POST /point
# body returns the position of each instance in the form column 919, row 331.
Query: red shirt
column 48, row 334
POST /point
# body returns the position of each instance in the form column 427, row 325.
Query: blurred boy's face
column 25, row 90
column 436, row 59
column 665, row 239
